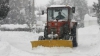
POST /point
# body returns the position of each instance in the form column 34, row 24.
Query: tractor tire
column 61, row 33
column 45, row 33
column 75, row 44
column 41, row 38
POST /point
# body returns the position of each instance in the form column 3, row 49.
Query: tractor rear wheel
column 75, row 44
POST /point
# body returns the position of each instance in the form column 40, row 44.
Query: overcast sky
column 44, row 2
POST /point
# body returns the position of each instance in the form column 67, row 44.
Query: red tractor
column 59, row 29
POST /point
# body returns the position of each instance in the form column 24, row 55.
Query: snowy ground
column 18, row 44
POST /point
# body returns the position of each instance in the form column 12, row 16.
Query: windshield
column 57, row 13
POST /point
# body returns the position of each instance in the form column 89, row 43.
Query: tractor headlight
column 53, row 36
column 49, row 36
column 56, row 35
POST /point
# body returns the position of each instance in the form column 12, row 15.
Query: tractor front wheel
column 66, row 37
column 45, row 33
column 40, row 38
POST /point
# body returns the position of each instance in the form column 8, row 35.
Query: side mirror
column 73, row 9
column 42, row 12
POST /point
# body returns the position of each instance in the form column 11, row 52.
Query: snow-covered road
column 18, row 44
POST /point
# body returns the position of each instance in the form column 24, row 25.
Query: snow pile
column 14, row 26
column 56, row 51
column 88, row 20
column 94, row 29
column 44, row 50
column 87, row 17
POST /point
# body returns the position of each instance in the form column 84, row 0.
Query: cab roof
column 60, row 6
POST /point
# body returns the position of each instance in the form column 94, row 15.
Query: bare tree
column 96, row 8
column 81, row 8
column 4, row 8
column 51, row 2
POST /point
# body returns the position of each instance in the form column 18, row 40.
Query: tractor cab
column 61, row 12
column 57, row 17
column 57, row 13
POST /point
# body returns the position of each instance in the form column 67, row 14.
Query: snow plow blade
column 52, row 43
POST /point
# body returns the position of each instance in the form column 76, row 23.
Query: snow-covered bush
column 14, row 27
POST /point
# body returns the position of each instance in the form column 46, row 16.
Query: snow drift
column 5, row 49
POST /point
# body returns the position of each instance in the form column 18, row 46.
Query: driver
column 60, row 16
